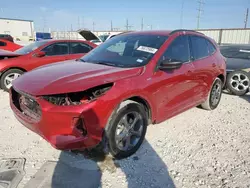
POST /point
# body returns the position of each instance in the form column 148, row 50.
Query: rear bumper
column 57, row 124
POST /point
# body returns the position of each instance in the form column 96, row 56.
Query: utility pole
column 111, row 26
column 246, row 19
column 142, row 24
column 181, row 18
column 200, row 2
column 82, row 23
column 78, row 22
column 93, row 26
column 127, row 26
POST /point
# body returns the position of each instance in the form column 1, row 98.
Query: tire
column 117, row 142
column 238, row 82
column 214, row 96
column 11, row 74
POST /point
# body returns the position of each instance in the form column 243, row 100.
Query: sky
column 61, row 15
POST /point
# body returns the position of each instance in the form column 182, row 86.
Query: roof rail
column 180, row 30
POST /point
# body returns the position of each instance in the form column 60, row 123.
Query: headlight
column 77, row 98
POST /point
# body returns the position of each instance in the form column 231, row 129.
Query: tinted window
column 178, row 50
column 211, row 48
column 78, row 47
column 57, row 49
column 2, row 43
column 199, row 47
column 132, row 50
column 235, row 52
column 31, row 47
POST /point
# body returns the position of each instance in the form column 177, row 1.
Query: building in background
column 19, row 29
column 228, row 36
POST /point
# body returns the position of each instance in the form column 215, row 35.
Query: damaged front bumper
column 64, row 127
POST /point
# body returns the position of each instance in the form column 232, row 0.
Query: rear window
column 199, row 46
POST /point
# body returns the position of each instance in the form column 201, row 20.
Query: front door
column 55, row 52
column 174, row 89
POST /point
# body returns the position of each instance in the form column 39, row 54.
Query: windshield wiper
column 80, row 60
column 106, row 63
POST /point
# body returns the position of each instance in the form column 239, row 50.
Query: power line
column 200, row 10
column 246, row 19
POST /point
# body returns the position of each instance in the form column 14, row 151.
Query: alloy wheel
column 10, row 78
column 216, row 93
column 240, row 82
column 129, row 131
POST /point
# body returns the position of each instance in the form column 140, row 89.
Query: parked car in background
column 238, row 68
column 90, row 36
column 109, row 96
column 14, row 64
column 6, row 37
column 7, row 45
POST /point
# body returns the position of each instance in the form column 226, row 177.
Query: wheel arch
column 222, row 78
column 19, row 68
column 145, row 104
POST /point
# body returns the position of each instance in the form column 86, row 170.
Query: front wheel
column 214, row 96
column 126, row 129
column 8, row 77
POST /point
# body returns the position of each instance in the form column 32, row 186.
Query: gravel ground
column 197, row 148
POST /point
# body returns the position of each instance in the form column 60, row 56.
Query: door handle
column 188, row 72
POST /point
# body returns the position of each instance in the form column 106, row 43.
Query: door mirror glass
column 40, row 54
column 169, row 65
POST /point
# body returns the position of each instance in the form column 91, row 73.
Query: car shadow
column 245, row 97
column 85, row 169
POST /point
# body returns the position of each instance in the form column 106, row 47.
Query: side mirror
column 40, row 54
column 168, row 65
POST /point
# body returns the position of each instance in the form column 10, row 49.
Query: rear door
column 174, row 89
column 78, row 49
column 56, row 52
column 205, row 65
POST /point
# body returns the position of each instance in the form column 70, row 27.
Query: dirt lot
column 195, row 149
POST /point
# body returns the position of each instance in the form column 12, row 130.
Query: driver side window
column 61, row 48
column 178, row 50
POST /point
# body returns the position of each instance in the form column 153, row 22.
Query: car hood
column 5, row 54
column 70, row 76
column 88, row 35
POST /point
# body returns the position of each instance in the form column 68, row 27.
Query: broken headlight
column 77, row 98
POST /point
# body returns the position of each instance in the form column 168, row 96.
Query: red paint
column 29, row 61
column 7, row 45
column 167, row 94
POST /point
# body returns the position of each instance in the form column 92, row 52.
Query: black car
column 238, row 68
column 7, row 37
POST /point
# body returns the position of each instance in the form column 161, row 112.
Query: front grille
column 27, row 105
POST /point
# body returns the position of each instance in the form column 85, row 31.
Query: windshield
column 103, row 37
column 126, row 50
column 31, row 47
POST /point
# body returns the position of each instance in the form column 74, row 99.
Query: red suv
column 109, row 96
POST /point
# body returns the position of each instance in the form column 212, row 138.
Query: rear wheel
column 238, row 82
column 126, row 129
column 214, row 96
column 8, row 77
